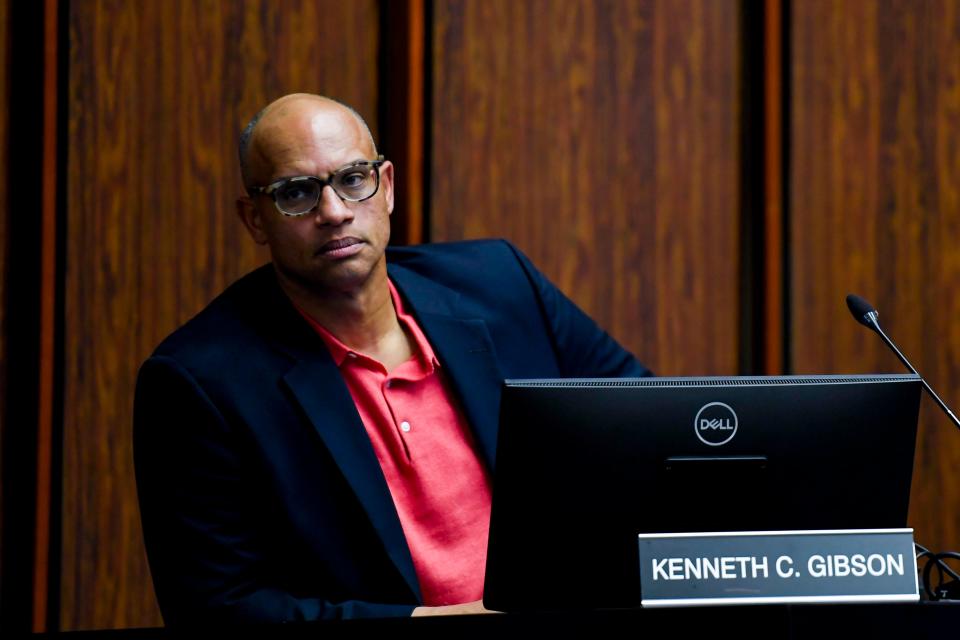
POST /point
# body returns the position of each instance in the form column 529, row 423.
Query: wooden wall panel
column 875, row 209
column 402, row 113
column 602, row 138
column 158, row 91
column 47, row 325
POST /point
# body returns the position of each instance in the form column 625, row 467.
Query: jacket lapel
column 465, row 350
column 319, row 389
column 325, row 399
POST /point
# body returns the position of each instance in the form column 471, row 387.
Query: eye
column 297, row 191
column 353, row 179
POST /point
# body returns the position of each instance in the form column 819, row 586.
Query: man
column 318, row 442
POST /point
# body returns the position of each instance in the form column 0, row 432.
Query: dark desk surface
column 818, row 622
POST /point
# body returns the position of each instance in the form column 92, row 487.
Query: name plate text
column 863, row 565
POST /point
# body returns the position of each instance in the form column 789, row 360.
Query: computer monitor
column 583, row 466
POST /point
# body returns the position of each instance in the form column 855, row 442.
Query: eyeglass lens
column 354, row 183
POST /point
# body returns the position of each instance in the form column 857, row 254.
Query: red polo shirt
column 440, row 486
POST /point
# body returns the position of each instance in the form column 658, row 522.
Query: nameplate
column 863, row 565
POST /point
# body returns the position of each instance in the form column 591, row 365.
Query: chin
column 343, row 279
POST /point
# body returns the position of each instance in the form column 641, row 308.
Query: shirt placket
column 379, row 382
column 397, row 389
column 401, row 423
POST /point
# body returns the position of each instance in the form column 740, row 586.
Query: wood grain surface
column 601, row 138
column 773, row 189
column 875, row 210
column 47, row 379
column 402, row 115
column 158, row 91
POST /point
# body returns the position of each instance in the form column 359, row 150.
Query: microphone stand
column 872, row 321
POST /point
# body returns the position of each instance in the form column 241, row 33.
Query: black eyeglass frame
column 271, row 189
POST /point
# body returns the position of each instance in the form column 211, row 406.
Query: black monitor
column 583, row 466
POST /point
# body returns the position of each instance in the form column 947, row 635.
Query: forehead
column 307, row 139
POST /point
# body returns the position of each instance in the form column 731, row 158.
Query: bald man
column 319, row 441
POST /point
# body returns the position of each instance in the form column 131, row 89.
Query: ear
column 250, row 215
column 386, row 183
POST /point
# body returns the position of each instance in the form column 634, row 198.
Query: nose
column 331, row 210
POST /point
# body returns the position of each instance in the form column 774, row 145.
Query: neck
column 363, row 318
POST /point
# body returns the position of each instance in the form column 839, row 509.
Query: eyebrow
column 311, row 175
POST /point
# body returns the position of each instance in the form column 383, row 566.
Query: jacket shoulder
column 482, row 259
column 459, row 250
column 229, row 320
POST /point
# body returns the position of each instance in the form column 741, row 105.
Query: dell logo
column 724, row 424
column 715, row 424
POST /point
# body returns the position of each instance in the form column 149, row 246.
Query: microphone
column 864, row 313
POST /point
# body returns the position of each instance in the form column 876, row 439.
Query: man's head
column 246, row 135
column 338, row 245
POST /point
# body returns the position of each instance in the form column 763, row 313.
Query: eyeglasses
column 355, row 182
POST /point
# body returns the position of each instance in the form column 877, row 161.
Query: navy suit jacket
column 260, row 493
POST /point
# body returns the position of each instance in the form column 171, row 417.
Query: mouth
column 341, row 248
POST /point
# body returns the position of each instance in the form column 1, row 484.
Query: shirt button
column 351, row 354
column 405, row 426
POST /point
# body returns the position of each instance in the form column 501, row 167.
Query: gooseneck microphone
column 869, row 317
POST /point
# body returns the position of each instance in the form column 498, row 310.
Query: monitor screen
column 585, row 465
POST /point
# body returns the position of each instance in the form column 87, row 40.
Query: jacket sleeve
column 206, row 543
column 583, row 349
